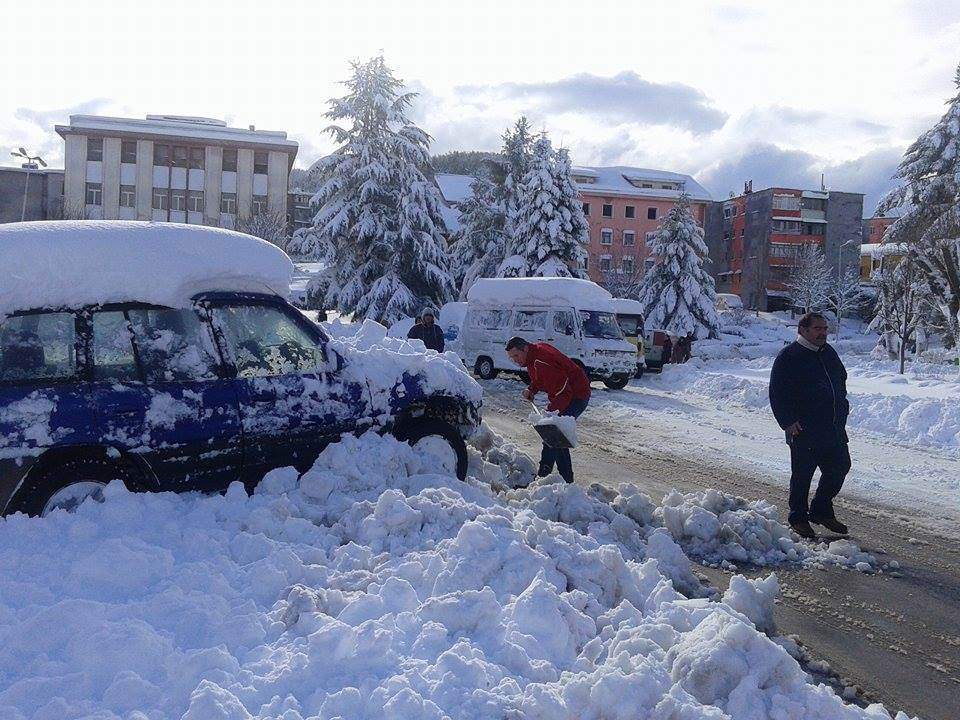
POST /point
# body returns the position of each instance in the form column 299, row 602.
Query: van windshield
column 629, row 324
column 600, row 325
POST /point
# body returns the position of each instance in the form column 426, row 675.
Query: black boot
column 803, row 529
column 831, row 524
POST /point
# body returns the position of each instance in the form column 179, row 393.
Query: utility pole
column 30, row 165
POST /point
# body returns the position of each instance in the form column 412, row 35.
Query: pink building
column 624, row 205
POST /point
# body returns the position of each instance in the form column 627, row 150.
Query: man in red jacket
column 566, row 385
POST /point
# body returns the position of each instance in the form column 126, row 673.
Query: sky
column 774, row 92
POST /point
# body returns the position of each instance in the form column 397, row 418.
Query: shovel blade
column 552, row 437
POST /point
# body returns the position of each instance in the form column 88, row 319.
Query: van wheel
column 485, row 368
column 617, row 382
column 440, row 440
column 65, row 485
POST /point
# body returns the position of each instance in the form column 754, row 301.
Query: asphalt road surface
column 896, row 635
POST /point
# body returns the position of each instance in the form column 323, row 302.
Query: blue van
column 190, row 398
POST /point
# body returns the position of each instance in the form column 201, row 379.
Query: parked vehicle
column 158, row 355
column 658, row 349
column 575, row 316
column 728, row 301
column 630, row 319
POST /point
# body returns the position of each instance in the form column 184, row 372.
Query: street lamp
column 29, row 165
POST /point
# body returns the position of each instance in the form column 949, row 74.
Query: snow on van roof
column 626, row 306
column 540, row 291
column 84, row 262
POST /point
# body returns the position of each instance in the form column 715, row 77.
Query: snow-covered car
column 728, row 301
column 577, row 317
column 159, row 354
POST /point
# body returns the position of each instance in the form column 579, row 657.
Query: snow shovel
column 556, row 431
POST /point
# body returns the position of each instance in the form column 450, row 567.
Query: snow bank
column 75, row 263
column 541, row 291
column 370, row 588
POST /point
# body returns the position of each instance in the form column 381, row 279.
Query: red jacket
column 557, row 375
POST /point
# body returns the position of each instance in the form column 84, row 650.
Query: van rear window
column 491, row 319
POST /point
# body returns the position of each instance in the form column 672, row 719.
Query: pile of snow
column 370, row 588
column 540, row 291
column 85, row 262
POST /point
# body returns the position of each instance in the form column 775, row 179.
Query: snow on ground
column 370, row 588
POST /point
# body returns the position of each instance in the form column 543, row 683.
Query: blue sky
column 775, row 92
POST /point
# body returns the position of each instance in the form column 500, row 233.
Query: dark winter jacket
column 810, row 387
column 431, row 336
column 557, row 375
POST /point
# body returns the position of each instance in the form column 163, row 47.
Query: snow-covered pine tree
column 809, row 280
column 378, row 226
column 478, row 246
column 929, row 201
column 549, row 228
column 679, row 296
column 517, row 156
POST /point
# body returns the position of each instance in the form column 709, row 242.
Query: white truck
column 577, row 317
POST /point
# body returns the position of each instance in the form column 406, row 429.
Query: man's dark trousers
column 561, row 456
column 834, row 463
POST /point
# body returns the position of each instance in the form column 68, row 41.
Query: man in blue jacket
column 808, row 396
column 427, row 331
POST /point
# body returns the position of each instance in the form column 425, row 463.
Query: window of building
column 94, row 194
column 605, row 264
column 586, row 263
column 786, row 202
column 630, row 212
column 729, row 211
column 228, row 203
column 178, row 200
column 196, row 158
column 629, row 238
column 726, row 235
column 180, row 156
column 784, row 250
column 786, row 226
column 260, row 162
column 259, row 204
column 586, row 208
column 229, row 159
column 195, row 200
column 651, row 213
column 626, row 265
column 161, row 155
column 646, row 185
column 128, row 151
column 128, row 196
column 607, row 210
column 606, row 237
column 813, row 204
column 814, row 229
column 160, row 199
column 94, row 148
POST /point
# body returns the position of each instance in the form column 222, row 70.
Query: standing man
column 808, row 396
column 427, row 331
column 567, row 388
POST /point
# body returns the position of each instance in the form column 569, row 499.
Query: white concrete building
column 170, row 168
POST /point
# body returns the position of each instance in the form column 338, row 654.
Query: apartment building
column 170, row 168
column 624, row 207
column 755, row 238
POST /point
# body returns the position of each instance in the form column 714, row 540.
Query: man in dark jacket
column 808, row 396
column 427, row 331
column 566, row 385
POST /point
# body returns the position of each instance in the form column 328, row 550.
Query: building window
column 178, row 200
column 229, row 159
column 161, row 155
column 128, row 196
column 729, row 211
column 586, row 263
column 259, row 204
column 128, row 151
column 180, row 156
column 195, row 200
column 786, row 226
column 94, row 194
column 586, row 208
column 814, row 229
column 784, row 250
column 228, row 203
column 650, row 236
column 196, row 158
column 626, row 265
column 630, row 212
column 629, row 238
column 605, row 264
column 786, row 202
column 260, row 162
column 160, row 199
column 648, row 263
column 651, row 213
column 95, row 149
column 818, row 204
column 606, row 237
column 607, row 210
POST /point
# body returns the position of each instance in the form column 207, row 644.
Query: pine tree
column 930, row 203
column 809, row 280
column 478, row 246
column 678, row 295
column 378, row 226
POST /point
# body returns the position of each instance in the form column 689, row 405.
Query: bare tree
column 846, row 294
column 624, row 283
column 809, row 281
column 903, row 303
column 269, row 226
column 73, row 211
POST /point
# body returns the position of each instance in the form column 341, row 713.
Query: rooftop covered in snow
column 70, row 264
column 630, row 181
